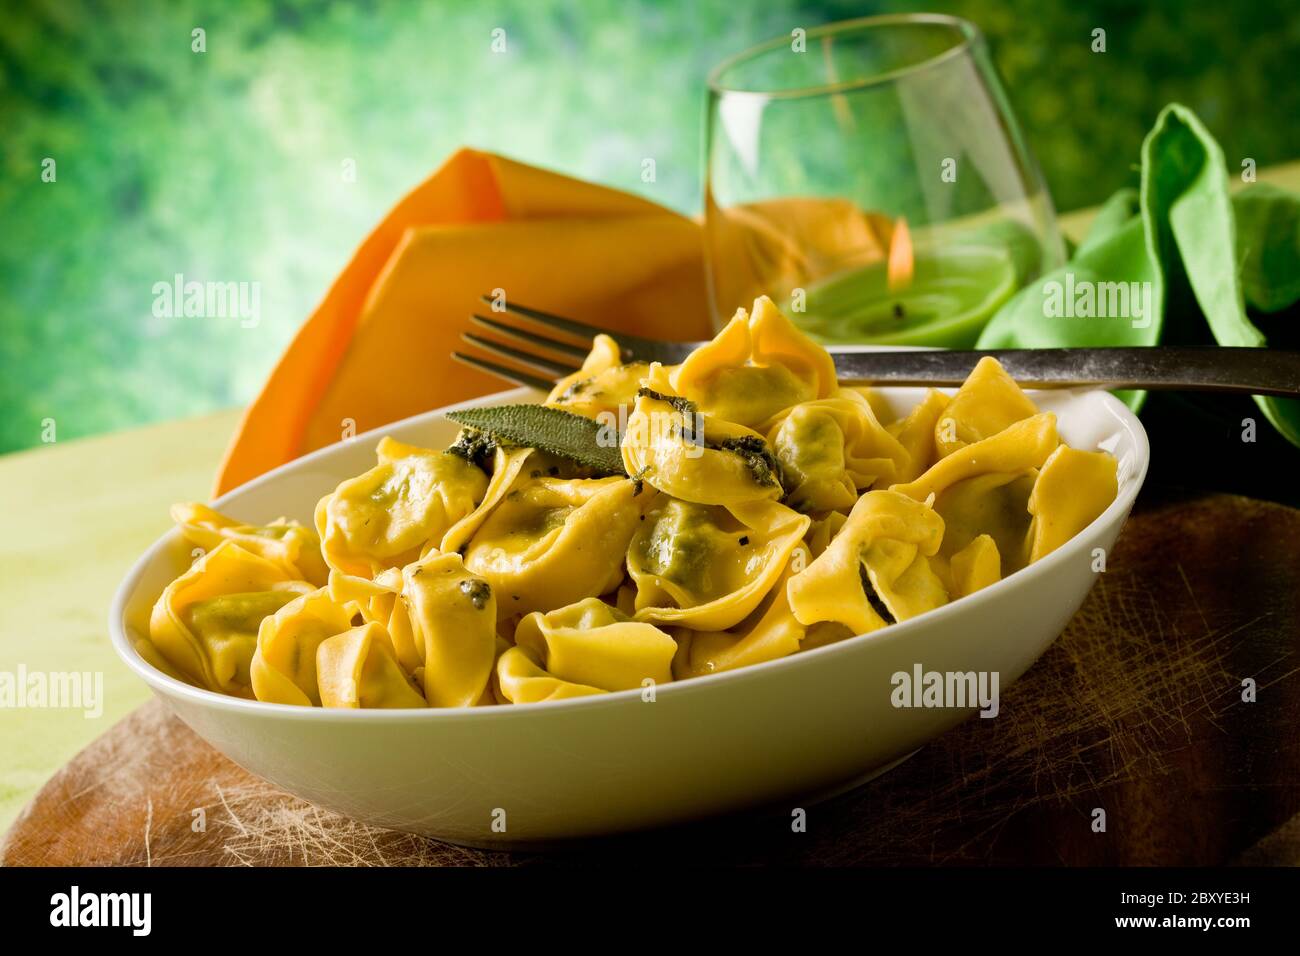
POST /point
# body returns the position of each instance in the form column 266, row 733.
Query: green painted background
column 228, row 165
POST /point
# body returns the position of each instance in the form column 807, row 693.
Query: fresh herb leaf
column 478, row 591
column 755, row 453
column 873, row 597
column 574, row 390
column 683, row 405
column 552, row 430
column 475, row 447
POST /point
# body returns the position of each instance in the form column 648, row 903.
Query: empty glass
column 870, row 177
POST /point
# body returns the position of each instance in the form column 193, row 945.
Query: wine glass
column 869, row 176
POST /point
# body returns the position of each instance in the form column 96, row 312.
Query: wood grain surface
column 1136, row 710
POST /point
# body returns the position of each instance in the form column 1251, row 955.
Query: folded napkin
column 1207, row 257
column 377, row 349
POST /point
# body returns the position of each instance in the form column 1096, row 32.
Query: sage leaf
column 581, row 440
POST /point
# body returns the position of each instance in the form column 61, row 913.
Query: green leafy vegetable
column 564, row 434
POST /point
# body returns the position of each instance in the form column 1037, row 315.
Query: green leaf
column 581, row 440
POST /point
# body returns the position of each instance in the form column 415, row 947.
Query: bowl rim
column 169, row 686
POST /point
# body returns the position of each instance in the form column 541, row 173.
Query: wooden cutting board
column 1136, row 710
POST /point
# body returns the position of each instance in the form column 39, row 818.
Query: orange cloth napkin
column 377, row 349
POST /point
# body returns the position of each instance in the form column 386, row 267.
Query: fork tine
column 528, row 359
column 502, row 371
column 577, row 351
column 581, row 329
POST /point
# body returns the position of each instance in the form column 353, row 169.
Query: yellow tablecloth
column 76, row 516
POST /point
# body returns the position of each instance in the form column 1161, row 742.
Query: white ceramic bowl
column 780, row 731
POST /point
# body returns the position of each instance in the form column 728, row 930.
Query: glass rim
column 969, row 35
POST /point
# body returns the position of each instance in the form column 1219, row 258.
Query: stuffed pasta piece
column 379, row 600
column 757, row 366
column 383, row 518
column 592, row 644
column 509, row 465
column 1072, row 489
column 708, row 567
column 453, row 616
column 283, row 669
column 876, row 571
column 554, row 541
column 294, row 547
column 675, row 449
column 603, row 385
column 915, row 432
column 991, row 483
column 206, row 622
column 439, row 620
column 987, row 402
column 832, row 449
column 983, row 488
column 358, row 668
column 771, row 631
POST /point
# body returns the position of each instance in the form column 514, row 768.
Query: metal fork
column 1206, row 369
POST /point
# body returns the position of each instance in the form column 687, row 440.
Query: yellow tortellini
column 554, row 541
column 379, row 600
column 383, row 519
column 206, row 622
column 984, row 488
column 453, row 617
column 294, row 547
column 673, row 448
column 915, row 433
column 523, row 681
column 833, row 449
column 440, row 621
column 770, row 632
column 975, row 566
column 757, row 366
column 508, row 465
column 823, row 530
column 359, row 669
column 706, row 566
column 1073, row 488
column 987, row 402
column 755, row 509
column 876, row 570
column 592, row 644
column 603, row 385
column 283, row 668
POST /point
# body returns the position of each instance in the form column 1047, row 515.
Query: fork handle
column 1251, row 371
